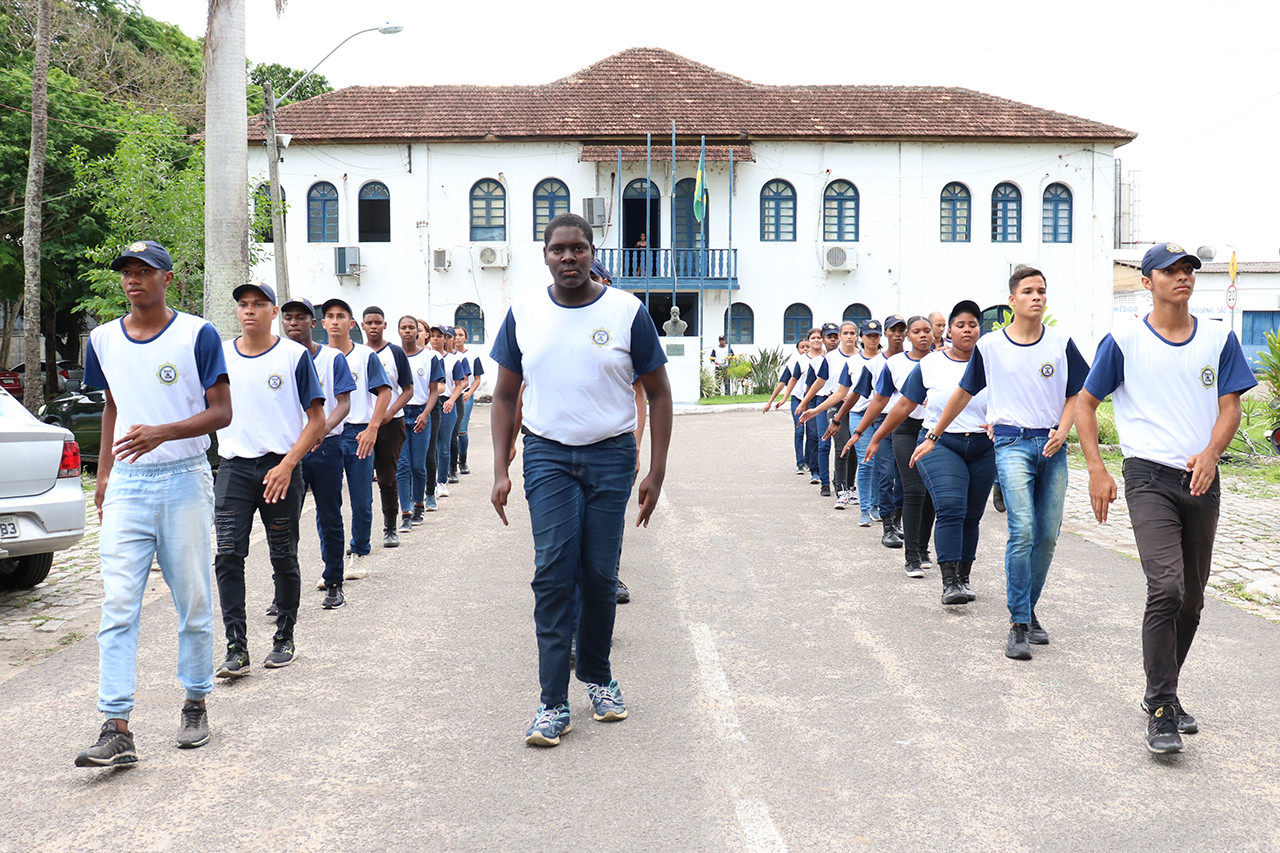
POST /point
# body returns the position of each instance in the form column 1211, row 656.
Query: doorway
column 636, row 261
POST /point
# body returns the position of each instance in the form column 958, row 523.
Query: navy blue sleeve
column 459, row 372
column 1077, row 369
column 975, row 375
column 343, row 383
column 93, row 374
column 885, row 387
column 824, row 372
column 810, row 375
column 1107, row 373
column 209, row 358
column 437, row 369
column 506, row 351
column 304, row 375
column 403, row 370
column 863, row 387
column 478, row 368
column 646, row 350
column 913, row 389
column 377, row 376
column 844, row 381
column 1234, row 375
column 785, row 376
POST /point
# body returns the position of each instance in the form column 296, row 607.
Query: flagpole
column 622, row 250
column 729, row 260
column 675, row 276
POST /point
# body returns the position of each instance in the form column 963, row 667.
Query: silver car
column 41, row 502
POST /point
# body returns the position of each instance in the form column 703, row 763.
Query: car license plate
column 8, row 527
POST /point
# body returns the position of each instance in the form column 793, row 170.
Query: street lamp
column 273, row 160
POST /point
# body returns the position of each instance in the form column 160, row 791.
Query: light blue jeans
column 868, row 481
column 161, row 510
column 1034, row 488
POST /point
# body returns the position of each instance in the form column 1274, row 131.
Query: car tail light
column 63, row 373
column 1275, row 439
column 70, row 466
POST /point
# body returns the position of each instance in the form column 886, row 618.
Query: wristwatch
column 932, row 436
column 857, row 433
column 836, row 421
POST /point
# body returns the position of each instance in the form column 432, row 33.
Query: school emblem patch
column 274, row 381
column 1208, row 376
column 1173, row 247
column 138, row 246
column 600, row 337
column 1046, row 370
column 168, row 374
column 422, row 371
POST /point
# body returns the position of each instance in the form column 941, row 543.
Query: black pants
column 844, row 469
column 433, row 433
column 917, row 506
column 458, row 408
column 1174, row 532
column 237, row 493
column 386, row 458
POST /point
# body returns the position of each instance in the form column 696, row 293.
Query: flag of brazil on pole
column 700, row 186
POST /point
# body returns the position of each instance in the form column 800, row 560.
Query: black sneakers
column 1017, row 648
column 624, row 594
column 194, row 730
column 113, row 748
column 1187, row 724
column 462, row 468
column 951, row 591
column 913, row 569
column 273, row 610
column 1162, row 731
column 406, row 522
column 417, row 517
column 1036, row 634
column 333, row 598
column 282, row 654
column 825, row 491
column 236, row 664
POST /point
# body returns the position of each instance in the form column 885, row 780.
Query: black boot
column 951, row 591
column 897, row 524
column 962, row 575
column 890, row 538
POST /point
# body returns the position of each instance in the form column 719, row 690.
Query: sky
column 1197, row 81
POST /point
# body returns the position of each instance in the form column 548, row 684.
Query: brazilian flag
column 700, row 186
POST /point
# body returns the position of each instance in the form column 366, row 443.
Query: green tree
column 282, row 77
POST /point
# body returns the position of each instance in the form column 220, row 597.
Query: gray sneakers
column 194, row 730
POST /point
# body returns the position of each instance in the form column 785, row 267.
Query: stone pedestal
column 683, row 367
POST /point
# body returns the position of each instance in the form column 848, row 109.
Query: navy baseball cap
column 894, row 320
column 301, row 303
column 830, row 329
column 264, row 289
column 149, row 252
column 965, row 306
column 1158, row 257
column 869, row 327
column 600, row 271
column 335, row 302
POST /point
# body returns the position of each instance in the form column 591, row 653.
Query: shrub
column 764, row 370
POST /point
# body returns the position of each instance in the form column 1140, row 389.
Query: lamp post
column 273, row 161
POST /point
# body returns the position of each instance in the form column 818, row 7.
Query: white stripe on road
column 757, row 826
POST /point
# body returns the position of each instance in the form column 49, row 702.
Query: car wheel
column 25, row 572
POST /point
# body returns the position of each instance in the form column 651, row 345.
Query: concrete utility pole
column 33, row 380
column 277, row 209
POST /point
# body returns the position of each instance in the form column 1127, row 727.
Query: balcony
column 687, row 269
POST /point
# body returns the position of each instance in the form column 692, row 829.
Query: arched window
column 996, row 314
column 469, row 316
column 689, row 230
column 488, row 211
column 797, row 320
column 955, row 213
column 262, row 225
column 778, row 212
column 840, row 213
column 550, row 199
column 636, row 188
column 322, row 213
column 1006, row 214
column 1056, row 220
column 375, row 213
column 740, row 324
column 856, row 313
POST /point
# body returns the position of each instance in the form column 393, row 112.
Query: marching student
column 1032, row 374
column 454, row 385
column 391, row 432
column 369, row 403
column 475, row 369
column 456, row 345
column 784, row 391
column 578, row 345
column 411, row 475
column 1175, row 384
column 835, row 364
column 807, row 368
column 322, row 466
column 279, row 417
column 166, row 389
column 917, row 506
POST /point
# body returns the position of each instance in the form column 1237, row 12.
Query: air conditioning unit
column 494, row 256
column 839, row 258
column 346, row 260
column 440, row 259
column 595, row 211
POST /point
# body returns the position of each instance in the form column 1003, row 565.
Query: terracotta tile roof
column 662, row 153
column 642, row 90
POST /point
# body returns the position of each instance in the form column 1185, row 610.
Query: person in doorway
column 1175, row 385
column 391, row 432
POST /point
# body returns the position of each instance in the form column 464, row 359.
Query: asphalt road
column 789, row 688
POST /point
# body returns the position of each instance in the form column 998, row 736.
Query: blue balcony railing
column 693, row 268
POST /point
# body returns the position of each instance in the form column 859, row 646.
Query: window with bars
column 375, row 213
column 778, row 212
column 955, row 218
column 488, row 211
column 797, row 320
column 322, row 213
column 1056, row 216
column 1006, row 214
column 468, row 316
column 550, row 199
column 840, row 213
column 740, row 324
column 856, row 313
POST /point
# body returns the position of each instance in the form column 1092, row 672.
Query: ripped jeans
column 237, row 494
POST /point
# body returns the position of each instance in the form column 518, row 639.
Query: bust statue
column 675, row 326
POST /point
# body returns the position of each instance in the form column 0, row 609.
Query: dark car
column 11, row 380
column 79, row 409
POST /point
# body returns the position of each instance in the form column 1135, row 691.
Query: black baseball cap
column 301, row 303
column 264, row 289
column 335, row 302
column 894, row 320
column 1158, row 257
column 965, row 306
column 830, row 329
column 869, row 327
column 149, row 252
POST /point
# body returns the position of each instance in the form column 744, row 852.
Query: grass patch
column 70, row 637
column 733, row 398
column 1236, row 589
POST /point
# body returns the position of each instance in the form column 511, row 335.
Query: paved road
column 789, row 689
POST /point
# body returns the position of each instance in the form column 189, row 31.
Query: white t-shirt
column 834, row 365
column 895, row 373
column 579, row 363
column 1029, row 383
column 933, row 382
column 454, row 372
column 335, row 378
column 367, row 373
column 426, row 369
column 161, row 380
column 806, row 368
column 859, row 376
column 270, row 395
column 396, row 366
column 1167, row 412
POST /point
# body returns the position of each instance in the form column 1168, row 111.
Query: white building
column 825, row 202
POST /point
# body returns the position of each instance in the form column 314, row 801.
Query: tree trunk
column 32, row 390
column 6, row 337
column 226, row 193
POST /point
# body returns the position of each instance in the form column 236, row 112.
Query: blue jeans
column 444, row 442
column 823, row 445
column 868, row 482
column 463, row 442
column 890, row 482
column 322, row 475
column 1034, row 487
column 577, row 504
column 958, row 474
column 411, row 470
column 359, row 488
column 161, row 510
column 801, row 458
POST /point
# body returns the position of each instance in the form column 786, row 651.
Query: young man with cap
column 454, row 385
column 817, row 400
column 166, row 389
column 1032, row 373
column 391, row 432
column 475, row 370
column 369, row 403
column 322, row 466
column 411, row 474
column 279, row 416
column 1175, row 384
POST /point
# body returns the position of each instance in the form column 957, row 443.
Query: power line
column 99, row 127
